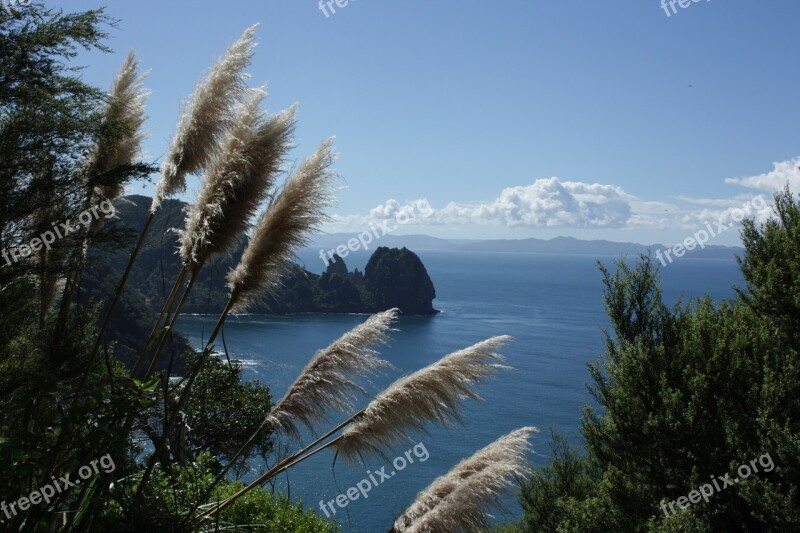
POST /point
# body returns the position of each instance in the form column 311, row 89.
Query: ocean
column 550, row 304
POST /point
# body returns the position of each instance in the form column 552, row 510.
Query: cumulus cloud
column 392, row 209
column 552, row 203
column 549, row 203
column 727, row 210
column 783, row 172
column 758, row 207
column 545, row 203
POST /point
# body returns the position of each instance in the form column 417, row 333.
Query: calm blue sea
column 550, row 304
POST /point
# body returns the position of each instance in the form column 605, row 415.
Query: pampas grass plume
column 239, row 175
column 204, row 117
column 431, row 394
column 126, row 109
column 297, row 211
column 459, row 500
column 325, row 383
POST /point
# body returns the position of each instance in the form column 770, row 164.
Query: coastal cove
column 550, row 304
column 251, row 286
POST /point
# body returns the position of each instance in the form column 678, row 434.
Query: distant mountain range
column 558, row 245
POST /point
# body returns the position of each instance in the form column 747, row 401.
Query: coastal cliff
column 392, row 277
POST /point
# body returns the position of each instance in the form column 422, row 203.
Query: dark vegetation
column 91, row 369
column 682, row 393
column 685, row 393
column 392, row 278
column 60, row 407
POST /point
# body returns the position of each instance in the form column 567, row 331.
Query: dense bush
column 686, row 393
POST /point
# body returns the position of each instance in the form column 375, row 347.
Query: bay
column 550, row 304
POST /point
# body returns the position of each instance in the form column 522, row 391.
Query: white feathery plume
column 460, row 499
column 326, row 382
column 297, row 211
column 204, row 117
column 431, row 394
column 126, row 109
column 239, row 175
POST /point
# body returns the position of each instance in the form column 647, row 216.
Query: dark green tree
column 684, row 393
column 61, row 406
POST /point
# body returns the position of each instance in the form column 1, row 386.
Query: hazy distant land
column 557, row 245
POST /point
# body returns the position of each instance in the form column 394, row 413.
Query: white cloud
column 392, row 209
column 758, row 207
column 550, row 203
column 715, row 202
column 544, row 203
column 784, row 171
column 556, row 204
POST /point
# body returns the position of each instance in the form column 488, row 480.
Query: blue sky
column 511, row 119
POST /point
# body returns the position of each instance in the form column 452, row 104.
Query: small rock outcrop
column 397, row 278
